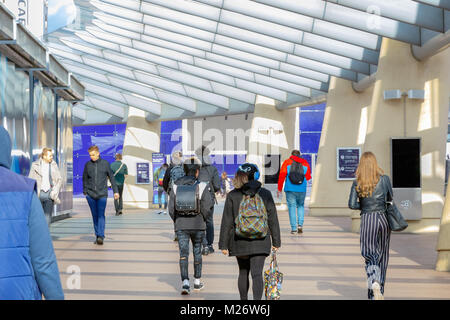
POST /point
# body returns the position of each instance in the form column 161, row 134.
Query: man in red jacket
column 293, row 174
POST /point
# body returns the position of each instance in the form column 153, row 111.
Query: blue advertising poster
column 347, row 162
column 158, row 159
column 142, row 173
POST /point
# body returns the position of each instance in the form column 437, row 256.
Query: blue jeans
column 196, row 237
column 296, row 207
column 208, row 239
column 98, row 214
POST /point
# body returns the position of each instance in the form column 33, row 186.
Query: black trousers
column 253, row 265
column 47, row 205
column 118, row 204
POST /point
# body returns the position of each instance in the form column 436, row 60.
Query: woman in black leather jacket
column 368, row 194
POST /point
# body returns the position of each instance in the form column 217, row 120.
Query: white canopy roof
column 181, row 58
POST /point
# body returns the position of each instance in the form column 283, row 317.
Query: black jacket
column 95, row 176
column 376, row 202
column 191, row 222
column 238, row 246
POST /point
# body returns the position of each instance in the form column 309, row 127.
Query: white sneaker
column 377, row 291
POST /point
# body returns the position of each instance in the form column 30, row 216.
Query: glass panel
column 44, row 119
column 311, row 121
column 309, row 142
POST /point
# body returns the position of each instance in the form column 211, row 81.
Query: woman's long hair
column 367, row 175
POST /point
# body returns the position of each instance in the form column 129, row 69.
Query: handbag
column 273, row 280
column 394, row 217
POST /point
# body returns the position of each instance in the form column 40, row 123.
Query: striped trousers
column 374, row 240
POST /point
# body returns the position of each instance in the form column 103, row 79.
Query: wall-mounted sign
column 158, row 159
column 30, row 13
column 347, row 162
column 143, row 173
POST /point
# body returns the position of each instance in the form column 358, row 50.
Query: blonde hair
column 224, row 175
column 240, row 179
column 44, row 151
column 93, row 148
column 367, row 174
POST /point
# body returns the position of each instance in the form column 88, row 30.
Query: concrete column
column 272, row 132
column 443, row 247
column 345, row 125
column 367, row 120
column 142, row 138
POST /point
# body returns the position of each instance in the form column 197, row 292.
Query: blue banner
column 158, row 159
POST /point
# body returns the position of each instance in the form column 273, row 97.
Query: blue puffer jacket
column 28, row 265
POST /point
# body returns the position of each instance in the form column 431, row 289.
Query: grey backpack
column 187, row 198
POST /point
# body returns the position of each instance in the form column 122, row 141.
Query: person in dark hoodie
column 28, row 267
column 295, row 192
column 250, row 252
column 208, row 174
column 95, row 188
column 190, row 226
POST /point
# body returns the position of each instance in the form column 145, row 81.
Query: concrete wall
column 142, row 138
column 367, row 120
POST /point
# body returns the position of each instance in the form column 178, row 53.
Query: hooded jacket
column 28, row 265
column 196, row 222
column 238, row 246
column 284, row 179
column 208, row 173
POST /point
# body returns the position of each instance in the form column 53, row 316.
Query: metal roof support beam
column 431, row 47
column 444, row 4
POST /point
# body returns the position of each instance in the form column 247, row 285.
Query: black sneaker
column 300, row 229
column 210, row 249
column 205, row 251
column 175, row 238
column 100, row 240
column 293, row 232
column 185, row 290
column 198, row 287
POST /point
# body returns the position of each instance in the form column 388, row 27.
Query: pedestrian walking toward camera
column 48, row 181
column 120, row 172
column 95, row 175
column 226, row 184
column 250, row 229
column 189, row 207
column 294, row 174
column 210, row 175
column 28, row 266
column 368, row 193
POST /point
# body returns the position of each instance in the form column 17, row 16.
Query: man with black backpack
column 208, row 174
column 173, row 173
column 189, row 207
column 293, row 174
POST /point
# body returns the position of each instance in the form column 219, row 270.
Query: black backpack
column 187, row 199
column 296, row 174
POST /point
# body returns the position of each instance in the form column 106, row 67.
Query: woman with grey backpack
column 250, row 229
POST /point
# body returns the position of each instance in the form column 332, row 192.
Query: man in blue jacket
column 28, row 267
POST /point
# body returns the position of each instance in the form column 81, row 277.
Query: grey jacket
column 191, row 222
column 35, row 173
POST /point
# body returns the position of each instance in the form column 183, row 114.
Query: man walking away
column 95, row 188
column 48, row 179
column 159, row 179
column 294, row 173
column 120, row 172
column 28, row 267
column 189, row 207
column 210, row 175
column 173, row 173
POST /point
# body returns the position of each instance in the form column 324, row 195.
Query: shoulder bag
column 394, row 217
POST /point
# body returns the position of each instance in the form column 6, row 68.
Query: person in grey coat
column 250, row 253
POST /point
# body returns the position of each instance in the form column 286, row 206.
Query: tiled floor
column 139, row 260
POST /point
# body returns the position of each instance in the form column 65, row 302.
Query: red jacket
column 288, row 162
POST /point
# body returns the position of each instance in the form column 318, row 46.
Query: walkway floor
column 139, row 260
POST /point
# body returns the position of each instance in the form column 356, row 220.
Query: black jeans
column 118, row 204
column 253, row 264
column 196, row 237
column 208, row 239
column 47, row 205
